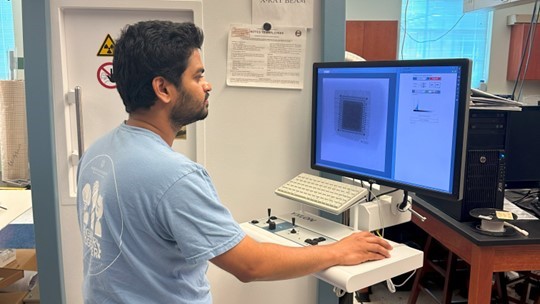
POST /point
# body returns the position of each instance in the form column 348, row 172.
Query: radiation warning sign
column 107, row 47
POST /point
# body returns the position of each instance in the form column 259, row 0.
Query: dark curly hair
column 148, row 49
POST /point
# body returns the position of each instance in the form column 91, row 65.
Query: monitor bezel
column 521, row 123
column 458, row 175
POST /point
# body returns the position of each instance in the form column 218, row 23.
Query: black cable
column 524, row 198
column 369, row 192
column 404, row 28
column 379, row 195
column 388, row 192
column 532, row 35
column 403, row 205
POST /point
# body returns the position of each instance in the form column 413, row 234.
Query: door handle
column 74, row 97
column 79, row 118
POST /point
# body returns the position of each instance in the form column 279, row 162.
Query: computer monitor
column 523, row 148
column 396, row 123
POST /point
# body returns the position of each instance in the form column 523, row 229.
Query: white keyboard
column 310, row 230
column 322, row 193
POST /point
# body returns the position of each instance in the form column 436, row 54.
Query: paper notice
column 271, row 59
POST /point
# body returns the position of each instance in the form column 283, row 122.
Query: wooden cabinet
column 373, row 40
column 519, row 44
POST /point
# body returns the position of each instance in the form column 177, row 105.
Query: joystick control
column 270, row 221
column 293, row 225
column 270, row 216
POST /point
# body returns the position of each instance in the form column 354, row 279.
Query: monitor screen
column 396, row 123
column 523, row 148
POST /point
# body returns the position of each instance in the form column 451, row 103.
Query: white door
column 82, row 46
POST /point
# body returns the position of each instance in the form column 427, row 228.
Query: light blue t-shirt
column 150, row 220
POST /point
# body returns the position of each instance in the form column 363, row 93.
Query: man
column 150, row 217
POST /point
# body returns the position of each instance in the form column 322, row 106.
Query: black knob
column 312, row 242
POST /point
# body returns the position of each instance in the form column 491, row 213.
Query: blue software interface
column 395, row 124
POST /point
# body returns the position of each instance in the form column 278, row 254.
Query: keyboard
column 322, row 193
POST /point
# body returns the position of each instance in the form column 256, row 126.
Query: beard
column 188, row 110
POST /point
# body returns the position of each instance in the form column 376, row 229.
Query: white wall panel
column 256, row 139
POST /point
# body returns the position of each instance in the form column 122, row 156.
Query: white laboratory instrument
column 311, row 230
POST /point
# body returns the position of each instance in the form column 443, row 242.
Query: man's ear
column 162, row 88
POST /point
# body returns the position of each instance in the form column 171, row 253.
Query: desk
column 485, row 254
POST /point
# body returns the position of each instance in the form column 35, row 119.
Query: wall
column 256, row 139
column 373, row 10
column 497, row 83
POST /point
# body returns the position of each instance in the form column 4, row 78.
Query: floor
column 381, row 295
column 19, row 234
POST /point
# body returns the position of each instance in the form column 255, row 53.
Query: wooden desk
column 485, row 254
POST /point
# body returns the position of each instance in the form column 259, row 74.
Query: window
column 440, row 29
column 7, row 39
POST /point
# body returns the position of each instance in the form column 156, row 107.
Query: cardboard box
column 24, row 260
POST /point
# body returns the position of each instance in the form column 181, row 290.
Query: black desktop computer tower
column 484, row 166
